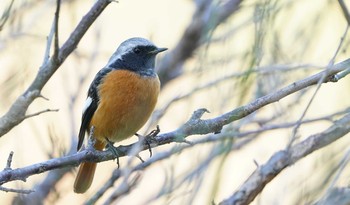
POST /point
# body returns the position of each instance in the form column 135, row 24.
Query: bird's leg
column 91, row 140
column 149, row 138
column 113, row 149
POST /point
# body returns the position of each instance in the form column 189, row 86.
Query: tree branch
column 159, row 113
column 40, row 112
column 56, row 42
column 248, row 137
column 9, row 161
column 345, row 11
column 5, row 15
column 19, row 191
column 16, row 113
column 284, row 158
column 193, row 126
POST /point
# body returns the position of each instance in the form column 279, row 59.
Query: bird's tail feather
column 86, row 173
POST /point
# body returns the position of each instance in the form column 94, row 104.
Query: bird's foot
column 149, row 138
column 113, row 149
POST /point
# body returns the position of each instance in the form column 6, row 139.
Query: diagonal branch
column 284, row 158
column 194, row 126
column 16, row 113
column 5, row 15
column 19, row 191
column 40, row 112
column 345, row 11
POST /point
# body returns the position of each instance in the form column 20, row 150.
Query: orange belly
column 126, row 102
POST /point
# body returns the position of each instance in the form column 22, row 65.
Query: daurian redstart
column 120, row 100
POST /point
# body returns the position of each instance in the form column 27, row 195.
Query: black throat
column 144, row 67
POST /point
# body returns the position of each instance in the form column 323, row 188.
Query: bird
column 120, row 100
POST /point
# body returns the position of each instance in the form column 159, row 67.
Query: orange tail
column 86, row 173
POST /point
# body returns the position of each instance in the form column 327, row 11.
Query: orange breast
column 126, row 102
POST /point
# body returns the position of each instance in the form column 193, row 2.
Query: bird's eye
column 137, row 50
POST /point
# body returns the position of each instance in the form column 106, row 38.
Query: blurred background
column 221, row 55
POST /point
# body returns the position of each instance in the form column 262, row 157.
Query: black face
column 140, row 59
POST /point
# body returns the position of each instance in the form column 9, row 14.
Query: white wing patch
column 87, row 104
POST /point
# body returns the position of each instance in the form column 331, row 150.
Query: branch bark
column 194, row 126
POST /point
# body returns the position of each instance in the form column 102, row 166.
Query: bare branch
column 341, row 75
column 16, row 113
column 48, row 43
column 193, row 126
column 56, row 42
column 345, row 11
column 19, row 191
column 117, row 173
column 5, row 16
column 284, row 158
column 329, row 117
column 9, row 161
column 48, row 184
column 52, row 34
column 40, row 112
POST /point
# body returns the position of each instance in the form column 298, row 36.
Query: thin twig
column 56, row 42
column 319, row 83
column 49, row 42
column 41, row 112
column 291, row 124
column 19, row 191
column 9, row 161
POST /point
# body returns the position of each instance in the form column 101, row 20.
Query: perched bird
column 120, row 100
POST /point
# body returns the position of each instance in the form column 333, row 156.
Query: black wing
column 92, row 107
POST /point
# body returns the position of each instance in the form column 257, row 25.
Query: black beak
column 161, row 49
column 158, row 50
